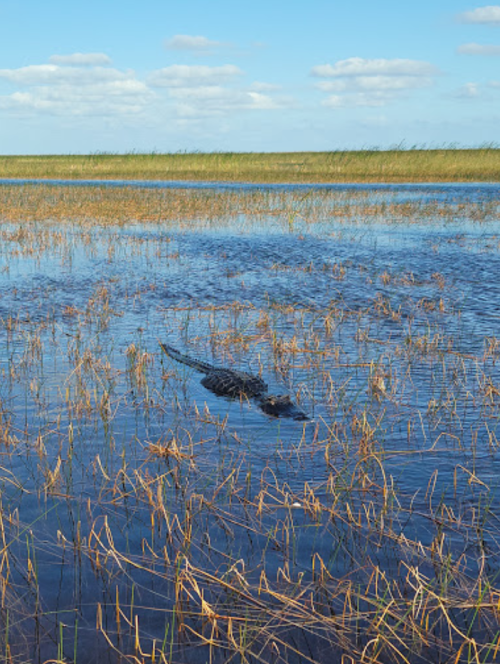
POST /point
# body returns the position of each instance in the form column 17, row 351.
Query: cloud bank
column 75, row 85
column 86, row 85
column 375, row 82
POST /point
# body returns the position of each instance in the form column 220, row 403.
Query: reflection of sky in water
column 170, row 284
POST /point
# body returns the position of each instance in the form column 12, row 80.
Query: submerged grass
column 141, row 522
column 210, row 208
column 415, row 165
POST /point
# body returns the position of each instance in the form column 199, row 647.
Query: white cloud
column 375, row 67
column 376, row 82
column 472, row 91
column 81, row 59
column 57, row 75
column 192, row 43
column 479, row 49
column 217, row 100
column 75, row 91
column 262, row 101
column 468, row 91
column 72, row 102
column 180, row 76
column 201, row 91
column 487, row 15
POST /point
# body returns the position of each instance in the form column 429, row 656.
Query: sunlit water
column 414, row 303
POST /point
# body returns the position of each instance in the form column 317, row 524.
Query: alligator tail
column 204, row 367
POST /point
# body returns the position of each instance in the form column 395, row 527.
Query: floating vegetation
column 143, row 518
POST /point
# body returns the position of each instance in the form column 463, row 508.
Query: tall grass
column 438, row 165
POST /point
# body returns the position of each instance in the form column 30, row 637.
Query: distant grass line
column 419, row 165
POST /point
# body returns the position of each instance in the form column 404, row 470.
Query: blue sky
column 106, row 76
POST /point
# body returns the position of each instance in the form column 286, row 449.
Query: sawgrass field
column 398, row 165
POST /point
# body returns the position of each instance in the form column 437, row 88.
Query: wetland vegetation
column 396, row 165
column 145, row 519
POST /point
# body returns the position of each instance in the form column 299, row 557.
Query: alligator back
column 219, row 380
column 231, row 383
column 204, row 367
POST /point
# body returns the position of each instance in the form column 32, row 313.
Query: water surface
column 384, row 329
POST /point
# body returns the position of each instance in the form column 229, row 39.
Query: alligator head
column 280, row 405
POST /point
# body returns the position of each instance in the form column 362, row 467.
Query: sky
column 266, row 75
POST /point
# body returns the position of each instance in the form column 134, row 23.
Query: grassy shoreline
column 440, row 165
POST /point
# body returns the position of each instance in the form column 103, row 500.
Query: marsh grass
column 206, row 209
column 143, row 521
column 399, row 165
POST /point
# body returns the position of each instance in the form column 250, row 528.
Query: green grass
column 440, row 165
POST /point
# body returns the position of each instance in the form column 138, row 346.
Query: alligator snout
column 280, row 405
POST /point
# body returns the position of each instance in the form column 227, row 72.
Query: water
column 384, row 329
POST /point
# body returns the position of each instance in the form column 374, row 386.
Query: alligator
column 233, row 383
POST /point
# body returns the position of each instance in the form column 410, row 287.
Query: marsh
column 145, row 518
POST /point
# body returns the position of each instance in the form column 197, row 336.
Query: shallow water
column 323, row 310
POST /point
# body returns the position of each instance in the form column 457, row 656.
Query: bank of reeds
column 398, row 165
